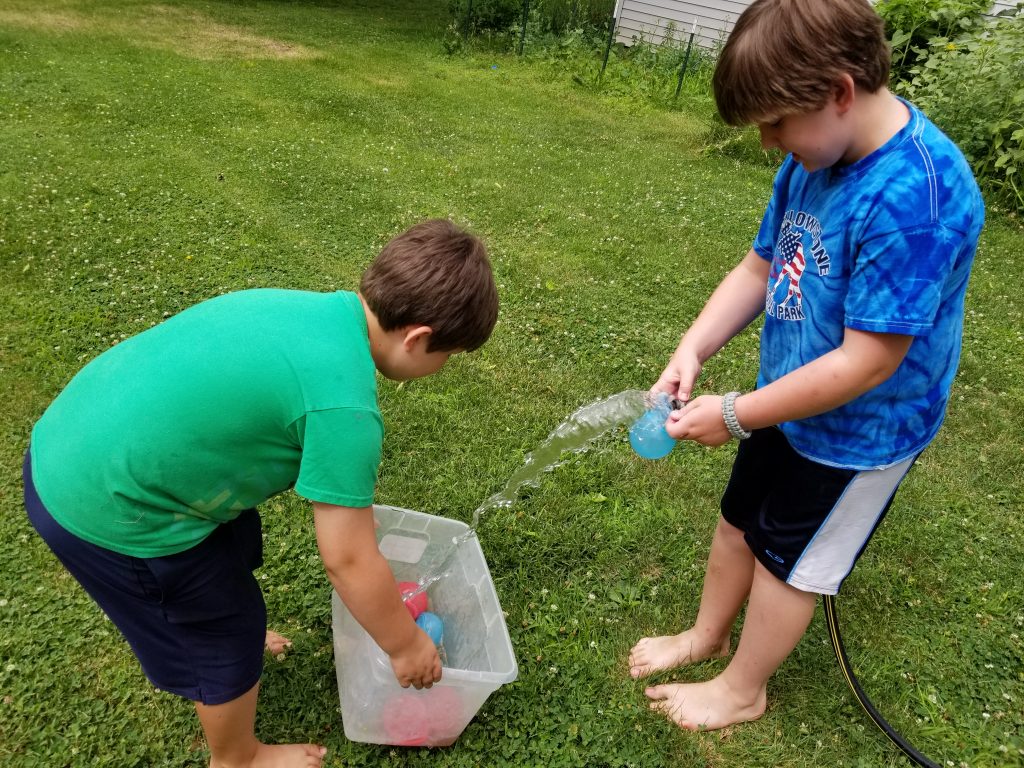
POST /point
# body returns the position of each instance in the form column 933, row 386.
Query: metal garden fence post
column 526, row 16
column 686, row 58
column 611, row 36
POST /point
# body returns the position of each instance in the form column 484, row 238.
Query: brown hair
column 785, row 56
column 434, row 274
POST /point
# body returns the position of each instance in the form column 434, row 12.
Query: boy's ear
column 413, row 334
column 844, row 92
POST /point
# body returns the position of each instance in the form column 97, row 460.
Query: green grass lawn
column 154, row 154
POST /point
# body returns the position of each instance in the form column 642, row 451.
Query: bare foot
column 276, row 643
column 281, row 756
column 705, row 706
column 656, row 654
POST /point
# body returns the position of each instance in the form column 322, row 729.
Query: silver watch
column 729, row 416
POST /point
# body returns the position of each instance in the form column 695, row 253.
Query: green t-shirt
column 171, row 432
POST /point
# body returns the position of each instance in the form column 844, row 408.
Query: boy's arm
column 863, row 361
column 737, row 300
column 361, row 577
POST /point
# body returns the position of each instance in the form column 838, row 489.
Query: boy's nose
column 768, row 140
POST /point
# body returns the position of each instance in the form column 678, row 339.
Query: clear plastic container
column 478, row 650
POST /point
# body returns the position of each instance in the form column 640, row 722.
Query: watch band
column 729, row 416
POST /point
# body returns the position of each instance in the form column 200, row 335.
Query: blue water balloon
column 431, row 624
column 648, row 436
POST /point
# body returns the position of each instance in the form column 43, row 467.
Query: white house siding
column 649, row 20
column 1003, row 5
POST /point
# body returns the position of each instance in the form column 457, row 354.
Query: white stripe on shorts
column 830, row 555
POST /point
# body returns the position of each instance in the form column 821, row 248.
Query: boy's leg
column 777, row 617
column 727, row 582
column 806, row 534
column 730, row 564
column 230, row 735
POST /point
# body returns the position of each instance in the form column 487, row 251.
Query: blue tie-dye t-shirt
column 883, row 245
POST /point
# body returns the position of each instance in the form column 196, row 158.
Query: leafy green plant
column 561, row 16
column 911, row 24
column 474, row 16
column 972, row 86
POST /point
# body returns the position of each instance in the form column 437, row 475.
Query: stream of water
column 569, row 438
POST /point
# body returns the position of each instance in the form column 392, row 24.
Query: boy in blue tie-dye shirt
column 860, row 268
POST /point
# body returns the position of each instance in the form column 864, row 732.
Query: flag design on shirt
column 789, row 255
column 791, row 251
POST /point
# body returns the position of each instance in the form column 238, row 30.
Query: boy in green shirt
column 144, row 474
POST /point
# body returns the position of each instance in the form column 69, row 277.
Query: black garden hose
column 832, row 621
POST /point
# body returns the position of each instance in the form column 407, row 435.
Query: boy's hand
column 701, row 421
column 679, row 375
column 419, row 664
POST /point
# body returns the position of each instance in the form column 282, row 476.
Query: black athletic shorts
column 806, row 522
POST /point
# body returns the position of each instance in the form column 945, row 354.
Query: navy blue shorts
column 196, row 620
column 806, row 522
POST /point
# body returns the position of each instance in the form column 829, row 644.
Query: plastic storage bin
column 478, row 651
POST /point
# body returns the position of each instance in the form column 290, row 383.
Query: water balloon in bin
column 415, row 602
column 406, row 722
column 648, row 436
column 422, row 718
column 431, row 624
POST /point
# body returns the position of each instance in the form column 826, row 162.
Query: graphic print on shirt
column 784, row 299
